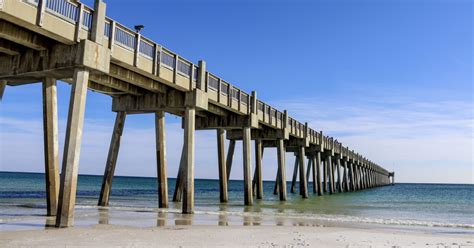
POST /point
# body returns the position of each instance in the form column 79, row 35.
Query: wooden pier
column 42, row 41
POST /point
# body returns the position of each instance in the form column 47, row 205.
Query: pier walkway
column 42, row 41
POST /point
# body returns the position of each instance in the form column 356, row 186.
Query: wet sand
column 103, row 227
column 229, row 236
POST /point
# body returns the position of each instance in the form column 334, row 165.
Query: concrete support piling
column 346, row 177
column 230, row 157
column 375, row 182
column 161, row 159
column 308, row 169
column 223, row 195
column 325, row 175
column 351, row 176
column 376, row 179
column 189, row 136
column 295, row 173
column 356, row 177
column 51, row 147
column 369, row 176
column 315, row 174
column 247, row 157
column 258, row 169
column 275, row 187
column 112, row 159
column 329, row 167
column 318, row 173
column 3, row 85
column 339, row 178
column 369, row 181
column 333, row 176
column 372, row 178
column 359, row 177
column 303, row 182
column 72, row 147
column 366, row 179
column 281, row 178
column 178, row 189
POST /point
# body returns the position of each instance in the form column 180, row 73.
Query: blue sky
column 391, row 79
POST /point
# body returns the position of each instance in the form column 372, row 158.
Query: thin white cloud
column 422, row 142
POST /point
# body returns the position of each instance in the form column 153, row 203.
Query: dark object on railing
column 139, row 28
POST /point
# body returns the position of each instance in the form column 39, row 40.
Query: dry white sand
column 229, row 236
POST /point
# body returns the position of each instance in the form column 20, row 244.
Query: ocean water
column 134, row 201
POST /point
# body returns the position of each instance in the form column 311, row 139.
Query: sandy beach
column 230, row 236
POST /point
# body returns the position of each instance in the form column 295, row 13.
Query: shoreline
column 148, row 227
column 88, row 215
column 105, row 235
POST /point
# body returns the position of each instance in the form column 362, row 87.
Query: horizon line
column 216, row 179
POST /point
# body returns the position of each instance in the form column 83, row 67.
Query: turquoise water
column 22, row 196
